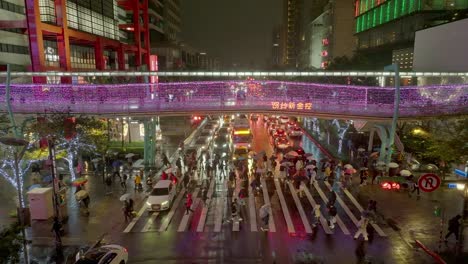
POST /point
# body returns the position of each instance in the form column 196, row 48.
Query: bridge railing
column 241, row 96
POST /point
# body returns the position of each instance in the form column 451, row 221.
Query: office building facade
column 385, row 29
column 65, row 35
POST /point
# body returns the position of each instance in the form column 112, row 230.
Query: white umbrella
column 293, row 153
column 286, row 163
column 124, row 197
column 393, row 165
column 405, row 173
column 310, row 166
column 360, row 149
column 348, row 166
column 81, row 195
column 310, row 158
column 264, row 210
column 96, row 159
column 129, row 155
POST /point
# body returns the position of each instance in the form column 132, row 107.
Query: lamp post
column 16, row 142
column 396, row 111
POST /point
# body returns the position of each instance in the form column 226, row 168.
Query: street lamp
column 16, row 142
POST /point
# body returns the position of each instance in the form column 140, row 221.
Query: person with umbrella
column 332, row 213
column 264, row 214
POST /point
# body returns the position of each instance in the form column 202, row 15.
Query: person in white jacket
column 362, row 228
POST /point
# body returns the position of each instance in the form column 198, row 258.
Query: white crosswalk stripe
column 151, row 220
column 284, row 207
column 135, row 219
column 302, row 213
column 171, row 213
column 323, row 221
column 201, row 223
column 359, row 207
column 266, row 198
column 338, row 218
column 252, row 212
column 188, row 216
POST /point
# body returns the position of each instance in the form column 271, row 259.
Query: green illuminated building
column 385, row 26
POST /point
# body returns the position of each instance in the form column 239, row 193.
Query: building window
column 9, row 48
column 12, row 7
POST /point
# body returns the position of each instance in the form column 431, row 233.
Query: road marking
column 171, row 213
column 135, row 219
column 307, row 227
column 252, row 212
column 266, row 198
column 359, row 207
column 219, row 208
column 150, row 222
column 337, row 217
column 202, row 221
column 343, row 205
column 285, row 210
column 323, row 221
column 185, row 220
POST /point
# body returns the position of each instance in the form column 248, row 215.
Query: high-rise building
column 292, row 10
column 164, row 20
column 277, row 47
column 329, row 35
column 43, row 35
column 385, row 29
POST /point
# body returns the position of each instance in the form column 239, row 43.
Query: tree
column 437, row 140
column 10, row 244
column 87, row 136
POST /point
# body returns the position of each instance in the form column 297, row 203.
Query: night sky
column 236, row 31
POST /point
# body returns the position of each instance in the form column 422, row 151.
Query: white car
column 284, row 119
column 295, row 132
column 107, row 254
column 162, row 196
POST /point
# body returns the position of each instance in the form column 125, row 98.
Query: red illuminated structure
column 60, row 32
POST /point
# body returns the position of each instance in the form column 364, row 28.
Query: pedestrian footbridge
column 298, row 98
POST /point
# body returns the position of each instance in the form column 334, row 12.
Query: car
column 282, row 143
column 224, row 132
column 240, row 153
column 201, row 143
column 295, row 132
column 291, row 124
column 279, row 133
column 106, row 254
column 221, row 144
column 271, row 120
column 205, row 133
column 161, row 196
column 284, row 119
column 272, row 128
column 209, row 127
column 214, row 123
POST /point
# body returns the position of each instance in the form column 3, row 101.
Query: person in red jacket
column 163, row 175
column 188, row 203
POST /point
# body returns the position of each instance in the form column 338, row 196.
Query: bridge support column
column 150, row 143
column 371, row 140
column 383, row 134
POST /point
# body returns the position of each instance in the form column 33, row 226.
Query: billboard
column 442, row 48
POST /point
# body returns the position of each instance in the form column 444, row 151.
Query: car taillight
column 125, row 250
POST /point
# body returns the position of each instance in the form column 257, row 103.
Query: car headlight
column 225, row 145
column 216, row 145
column 148, row 203
column 234, row 158
column 164, row 203
column 249, row 145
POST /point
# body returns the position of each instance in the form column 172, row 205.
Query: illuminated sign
column 291, row 106
column 242, row 132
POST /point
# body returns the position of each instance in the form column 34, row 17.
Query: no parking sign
column 429, row 182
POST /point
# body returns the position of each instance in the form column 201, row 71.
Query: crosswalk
column 214, row 214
